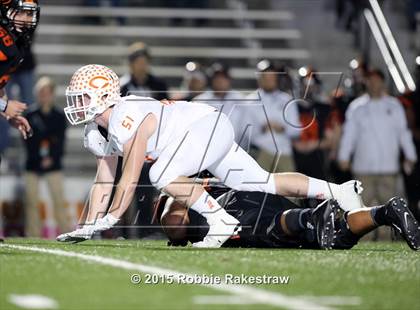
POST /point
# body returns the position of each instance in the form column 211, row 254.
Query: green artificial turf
column 378, row 275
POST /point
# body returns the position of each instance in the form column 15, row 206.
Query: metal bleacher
column 66, row 40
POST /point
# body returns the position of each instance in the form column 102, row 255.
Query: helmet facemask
column 21, row 26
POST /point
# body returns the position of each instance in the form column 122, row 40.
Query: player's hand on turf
column 78, row 235
column 14, row 109
column 22, row 124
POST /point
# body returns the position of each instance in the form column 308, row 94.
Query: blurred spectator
column 339, row 103
column 140, row 81
column 23, row 79
column 313, row 113
column 44, row 154
column 285, row 80
column 373, row 134
column 358, row 73
column 411, row 103
column 349, row 16
column 358, row 86
column 340, row 10
column 194, row 83
column 224, row 98
column 282, row 124
column 413, row 9
column 340, row 99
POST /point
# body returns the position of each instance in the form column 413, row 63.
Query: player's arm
column 12, row 110
column 8, row 108
column 405, row 138
column 348, row 143
column 102, row 188
column 22, row 124
column 134, row 153
column 98, row 200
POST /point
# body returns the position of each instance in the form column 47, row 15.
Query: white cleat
column 78, row 235
column 221, row 229
column 348, row 195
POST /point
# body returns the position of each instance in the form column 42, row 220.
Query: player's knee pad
column 266, row 187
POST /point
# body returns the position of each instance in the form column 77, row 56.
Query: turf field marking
column 334, row 300
column 33, row 301
column 242, row 300
column 251, row 293
column 222, row 300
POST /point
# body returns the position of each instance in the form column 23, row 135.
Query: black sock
column 379, row 215
column 297, row 220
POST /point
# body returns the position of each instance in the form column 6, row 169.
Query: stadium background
column 299, row 35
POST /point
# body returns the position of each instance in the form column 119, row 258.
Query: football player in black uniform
column 19, row 19
column 272, row 221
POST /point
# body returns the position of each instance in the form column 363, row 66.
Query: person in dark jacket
column 140, row 81
column 45, row 151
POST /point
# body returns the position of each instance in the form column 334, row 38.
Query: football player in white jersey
column 184, row 138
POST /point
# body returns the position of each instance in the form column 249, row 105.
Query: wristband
column 3, row 105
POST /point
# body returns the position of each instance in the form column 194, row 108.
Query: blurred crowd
column 290, row 122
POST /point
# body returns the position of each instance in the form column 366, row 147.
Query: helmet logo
column 99, row 82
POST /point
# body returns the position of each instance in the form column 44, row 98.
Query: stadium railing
column 171, row 51
column 129, row 12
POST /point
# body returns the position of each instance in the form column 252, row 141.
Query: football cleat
column 221, row 229
column 348, row 195
column 78, row 235
column 323, row 218
column 401, row 218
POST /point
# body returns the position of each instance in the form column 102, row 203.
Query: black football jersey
column 10, row 56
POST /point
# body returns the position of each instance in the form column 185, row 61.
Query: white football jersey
column 127, row 115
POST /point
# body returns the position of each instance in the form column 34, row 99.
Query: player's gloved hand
column 348, row 195
column 81, row 234
column 105, row 223
column 14, row 108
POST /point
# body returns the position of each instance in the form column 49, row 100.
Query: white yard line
column 33, row 301
column 222, row 300
column 334, row 300
column 251, row 293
